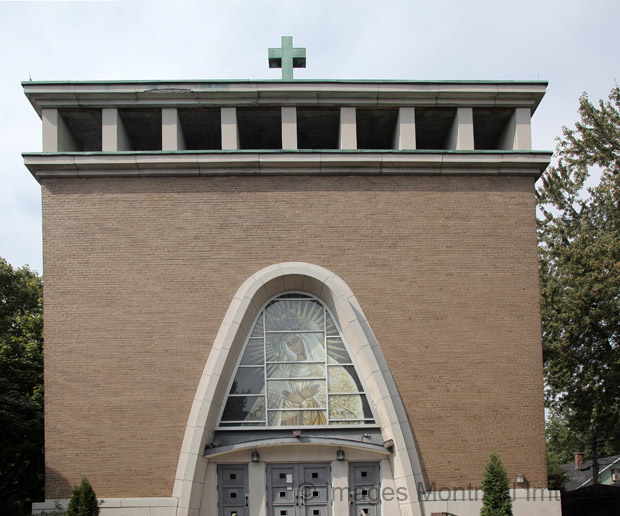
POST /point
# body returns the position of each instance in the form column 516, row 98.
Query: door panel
column 366, row 510
column 365, row 485
column 315, row 511
column 298, row 489
column 281, row 491
column 232, row 490
column 315, row 487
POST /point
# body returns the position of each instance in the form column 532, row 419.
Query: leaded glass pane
column 295, row 347
column 351, row 422
column 343, row 379
column 296, row 370
column 254, row 352
column 229, row 424
column 296, row 394
column 244, row 408
column 248, row 380
column 291, row 315
column 330, row 326
column 296, row 417
column 258, row 328
column 336, row 352
column 349, row 407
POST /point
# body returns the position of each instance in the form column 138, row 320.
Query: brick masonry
column 139, row 273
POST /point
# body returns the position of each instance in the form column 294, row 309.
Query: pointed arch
column 295, row 343
column 228, row 344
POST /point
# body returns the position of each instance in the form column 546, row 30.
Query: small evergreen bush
column 496, row 500
column 83, row 501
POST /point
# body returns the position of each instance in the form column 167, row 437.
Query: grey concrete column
column 389, row 495
column 340, row 487
column 289, row 128
column 518, row 132
column 258, row 488
column 404, row 137
column 230, row 131
column 462, row 133
column 209, row 492
column 113, row 134
column 172, row 138
column 348, row 128
column 56, row 134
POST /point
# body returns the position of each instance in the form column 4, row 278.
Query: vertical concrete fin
column 172, row 138
column 56, row 135
column 518, row 132
column 230, row 130
column 289, row 128
column 348, row 129
column 461, row 135
column 404, row 135
column 114, row 136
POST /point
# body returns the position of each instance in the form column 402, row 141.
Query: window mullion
column 326, row 371
column 265, row 365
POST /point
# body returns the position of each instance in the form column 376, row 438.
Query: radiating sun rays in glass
column 295, row 370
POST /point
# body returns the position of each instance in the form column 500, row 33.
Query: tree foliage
column 579, row 249
column 83, row 500
column 21, row 384
column 496, row 500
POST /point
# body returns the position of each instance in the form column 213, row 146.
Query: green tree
column 562, row 443
column 496, row 500
column 21, row 385
column 83, row 500
column 579, row 250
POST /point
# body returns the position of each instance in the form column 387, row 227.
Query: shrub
column 496, row 500
column 83, row 501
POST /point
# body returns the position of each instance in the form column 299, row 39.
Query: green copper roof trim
column 278, row 81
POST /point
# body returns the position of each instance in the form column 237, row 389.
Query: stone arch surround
column 211, row 392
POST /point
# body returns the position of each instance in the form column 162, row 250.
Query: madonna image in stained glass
column 301, row 392
column 296, row 371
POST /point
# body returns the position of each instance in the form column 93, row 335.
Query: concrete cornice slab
column 292, row 441
column 50, row 95
column 231, row 163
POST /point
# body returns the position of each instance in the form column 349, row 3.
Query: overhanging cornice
column 299, row 93
column 230, row 163
column 211, row 452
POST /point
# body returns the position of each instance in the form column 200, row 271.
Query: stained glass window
column 295, row 370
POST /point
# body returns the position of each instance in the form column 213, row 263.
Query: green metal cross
column 287, row 58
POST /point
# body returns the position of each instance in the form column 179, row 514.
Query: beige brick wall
column 139, row 273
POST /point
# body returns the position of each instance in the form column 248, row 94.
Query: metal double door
column 298, row 489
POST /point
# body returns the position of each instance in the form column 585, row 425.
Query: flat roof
column 280, row 81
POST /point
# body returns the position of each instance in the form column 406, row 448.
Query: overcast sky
column 572, row 44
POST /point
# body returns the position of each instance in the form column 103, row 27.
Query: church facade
column 291, row 297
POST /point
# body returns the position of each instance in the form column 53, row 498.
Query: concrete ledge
column 121, row 506
column 230, row 163
column 526, row 502
column 118, row 94
column 292, row 441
